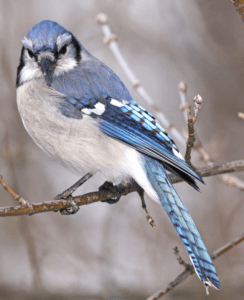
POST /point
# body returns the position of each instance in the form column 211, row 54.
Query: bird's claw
column 108, row 186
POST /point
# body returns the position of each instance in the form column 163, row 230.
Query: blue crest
column 44, row 35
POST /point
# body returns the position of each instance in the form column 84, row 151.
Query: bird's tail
column 182, row 222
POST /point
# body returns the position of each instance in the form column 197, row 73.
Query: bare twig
column 215, row 169
column 19, row 199
column 232, row 181
column 229, row 180
column 239, row 5
column 179, row 258
column 190, row 140
column 189, row 270
column 190, row 123
column 74, row 187
column 227, row 247
column 184, row 105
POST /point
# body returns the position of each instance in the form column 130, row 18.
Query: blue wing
column 134, row 126
column 94, row 89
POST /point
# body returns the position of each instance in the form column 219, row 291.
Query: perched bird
column 78, row 111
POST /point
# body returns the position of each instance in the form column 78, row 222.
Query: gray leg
column 117, row 190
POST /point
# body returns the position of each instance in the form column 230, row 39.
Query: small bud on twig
column 182, row 87
column 198, row 99
column 241, row 115
column 136, row 84
column 102, row 18
column 108, row 40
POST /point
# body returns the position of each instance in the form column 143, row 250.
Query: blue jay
column 78, row 111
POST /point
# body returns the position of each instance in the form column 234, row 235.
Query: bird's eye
column 30, row 53
column 63, row 50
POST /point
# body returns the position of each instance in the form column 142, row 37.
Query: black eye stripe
column 30, row 53
column 63, row 50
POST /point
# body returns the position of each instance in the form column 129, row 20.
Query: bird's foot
column 71, row 209
column 108, row 186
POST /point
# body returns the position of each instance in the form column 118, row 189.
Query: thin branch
column 233, row 181
column 74, row 187
column 239, row 6
column 227, row 247
column 19, row 199
column 229, row 180
column 189, row 270
column 124, row 189
column 215, row 169
column 179, row 258
column 184, row 105
column 190, row 124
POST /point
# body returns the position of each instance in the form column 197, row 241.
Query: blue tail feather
column 182, row 222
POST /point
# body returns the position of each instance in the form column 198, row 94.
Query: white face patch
column 27, row 43
column 29, row 72
column 67, row 61
column 31, row 69
column 63, row 39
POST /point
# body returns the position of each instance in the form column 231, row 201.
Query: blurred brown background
column 110, row 252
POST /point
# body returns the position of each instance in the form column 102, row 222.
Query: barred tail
column 182, row 222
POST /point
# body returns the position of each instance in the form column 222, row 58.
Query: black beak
column 47, row 65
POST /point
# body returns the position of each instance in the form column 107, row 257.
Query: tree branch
column 123, row 188
column 191, row 132
column 215, row 169
column 189, row 269
column 55, row 205
column 229, row 180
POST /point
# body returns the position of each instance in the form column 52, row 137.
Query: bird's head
column 48, row 50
